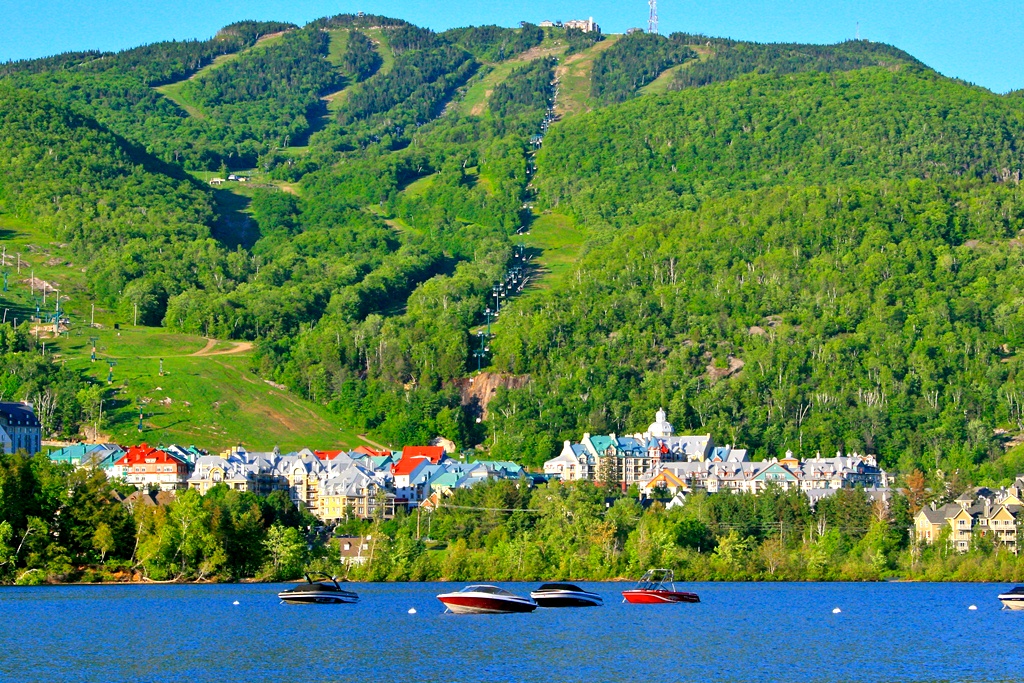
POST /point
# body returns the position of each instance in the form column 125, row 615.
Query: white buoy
column 837, row 611
column 412, row 610
column 973, row 608
column 235, row 602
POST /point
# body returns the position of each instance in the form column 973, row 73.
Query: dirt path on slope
column 239, row 347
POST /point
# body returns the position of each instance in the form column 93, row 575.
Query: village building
column 19, row 428
column 356, row 492
column 627, row 460
column 354, row 550
column 152, row 468
column 100, row 455
column 980, row 511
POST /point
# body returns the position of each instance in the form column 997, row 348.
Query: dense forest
column 814, row 248
column 733, row 58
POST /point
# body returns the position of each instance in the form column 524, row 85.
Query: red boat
column 657, row 588
column 482, row 599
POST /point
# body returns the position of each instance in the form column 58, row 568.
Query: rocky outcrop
column 478, row 391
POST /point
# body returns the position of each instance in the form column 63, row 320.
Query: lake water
column 740, row 632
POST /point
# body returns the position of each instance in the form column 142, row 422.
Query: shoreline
column 619, row 580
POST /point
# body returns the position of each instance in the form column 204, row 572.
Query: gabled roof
column 629, row 444
column 433, row 453
column 407, row 466
column 601, row 442
column 327, row 455
column 77, row 451
column 143, row 452
column 380, row 461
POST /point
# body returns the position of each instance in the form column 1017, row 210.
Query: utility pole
column 92, row 317
column 136, row 323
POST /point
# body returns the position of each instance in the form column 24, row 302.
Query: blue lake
column 740, row 632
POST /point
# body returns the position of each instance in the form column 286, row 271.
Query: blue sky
column 981, row 41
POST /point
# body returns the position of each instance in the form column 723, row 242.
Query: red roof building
column 147, row 467
column 432, row 453
column 407, row 466
column 327, row 455
column 371, row 452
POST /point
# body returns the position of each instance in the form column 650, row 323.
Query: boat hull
column 566, row 599
column 317, row 598
column 1014, row 602
column 470, row 604
column 658, row 597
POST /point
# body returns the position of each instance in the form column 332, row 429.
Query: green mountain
column 800, row 247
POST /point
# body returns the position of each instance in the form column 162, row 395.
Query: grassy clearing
column 663, row 83
column 474, row 103
column 215, row 401
column 48, row 261
column 555, row 242
column 172, row 91
column 384, row 48
column 418, row 187
column 339, row 42
column 573, row 76
column 479, row 91
column 212, row 400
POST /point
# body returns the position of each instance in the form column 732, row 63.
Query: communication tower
column 652, row 21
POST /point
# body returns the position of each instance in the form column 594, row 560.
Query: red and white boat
column 657, row 587
column 485, row 599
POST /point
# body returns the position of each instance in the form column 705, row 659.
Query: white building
column 585, row 25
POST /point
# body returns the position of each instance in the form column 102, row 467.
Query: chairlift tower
column 652, row 21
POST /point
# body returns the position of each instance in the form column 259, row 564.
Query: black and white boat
column 565, row 595
column 318, row 593
column 485, row 599
column 1013, row 599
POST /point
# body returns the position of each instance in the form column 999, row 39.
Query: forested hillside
column 730, row 59
column 813, row 248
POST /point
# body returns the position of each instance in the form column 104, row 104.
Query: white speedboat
column 565, row 595
column 1013, row 599
column 485, row 599
column 318, row 593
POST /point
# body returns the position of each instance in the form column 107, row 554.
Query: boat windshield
column 656, row 579
column 1019, row 590
column 560, row 587
column 494, row 590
